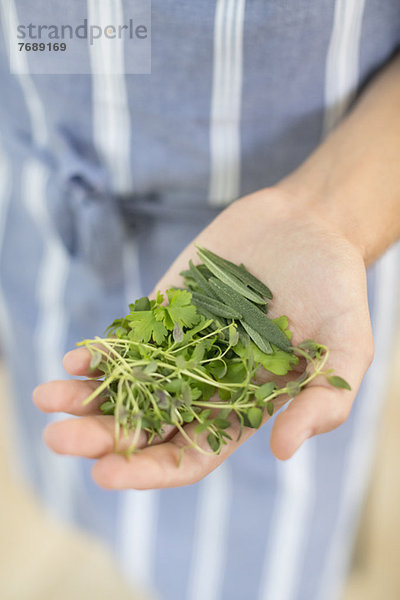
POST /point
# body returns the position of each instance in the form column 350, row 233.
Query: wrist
column 334, row 201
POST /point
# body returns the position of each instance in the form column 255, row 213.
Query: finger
column 154, row 467
column 67, row 396
column 165, row 465
column 77, row 362
column 92, row 437
column 319, row 408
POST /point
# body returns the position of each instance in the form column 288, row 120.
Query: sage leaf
column 201, row 281
column 259, row 341
column 216, row 307
column 239, row 271
column 252, row 315
column 231, row 280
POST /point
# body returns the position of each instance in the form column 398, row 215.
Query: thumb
column 319, row 408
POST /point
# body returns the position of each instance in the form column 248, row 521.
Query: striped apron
column 103, row 181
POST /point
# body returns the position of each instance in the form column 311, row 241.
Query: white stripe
column 52, row 324
column 32, row 99
column 136, row 535
column 61, row 473
column 234, row 95
column 226, row 102
column 111, row 118
column 362, row 450
column 216, row 137
column 211, row 536
column 291, row 521
column 341, row 79
column 49, row 339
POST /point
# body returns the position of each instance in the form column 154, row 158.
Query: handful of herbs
column 193, row 355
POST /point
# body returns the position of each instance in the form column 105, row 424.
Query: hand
column 318, row 280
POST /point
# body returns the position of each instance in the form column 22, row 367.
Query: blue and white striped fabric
column 103, row 180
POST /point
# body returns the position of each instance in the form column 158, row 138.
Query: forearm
column 352, row 180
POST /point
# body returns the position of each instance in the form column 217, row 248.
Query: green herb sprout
column 194, row 355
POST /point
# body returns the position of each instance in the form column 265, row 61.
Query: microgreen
column 193, row 355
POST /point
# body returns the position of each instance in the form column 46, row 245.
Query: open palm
column 318, row 280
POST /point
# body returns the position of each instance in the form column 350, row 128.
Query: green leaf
column 217, row 368
column 283, row 324
column 140, row 304
column 206, row 389
column 339, row 382
column 151, row 367
column 201, row 280
column 107, row 408
column 190, row 334
column 179, row 310
column 145, row 326
column 240, row 271
column 214, row 442
column 279, row 362
column 121, row 332
column 311, row 347
column 265, row 390
column 198, row 352
column 205, row 414
column 200, row 427
column 187, row 416
column 233, row 334
column 214, row 306
column 253, row 316
column 114, row 325
column 186, row 393
column 261, row 342
column 228, row 278
column 225, row 395
column 223, row 413
column 141, row 374
column 254, row 417
column 270, row 408
column 174, row 386
column 222, row 423
column 235, row 373
column 181, row 362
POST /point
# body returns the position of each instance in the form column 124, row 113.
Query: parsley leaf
column 145, row 326
column 179, row 310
